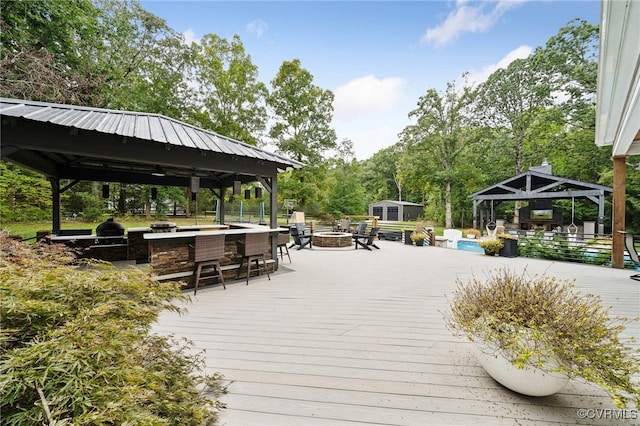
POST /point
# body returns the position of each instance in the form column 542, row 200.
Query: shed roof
column 400, row 203
column 73, row 142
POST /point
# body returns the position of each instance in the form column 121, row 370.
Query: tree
column 232, row 99
column 24, row 195
column 302, row 114
column 434, row 145
column 345, row 195
column 379, row 175
column 42, row 51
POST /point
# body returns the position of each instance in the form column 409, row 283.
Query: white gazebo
column 618, row 100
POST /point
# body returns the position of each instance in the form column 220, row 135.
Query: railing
column 591, row 249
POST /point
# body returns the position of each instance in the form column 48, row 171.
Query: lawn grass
column 28, row 230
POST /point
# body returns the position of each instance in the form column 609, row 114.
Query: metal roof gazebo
column 81, row 143
column 538, row 183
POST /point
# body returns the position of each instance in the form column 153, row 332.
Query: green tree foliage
column 24, row 195
column 302, row 114
column 44, row 54
column 379, row 175
column 77, row 348
column 144, row 61
column 346, row 193
column 435, row 144
column 232, row 98
column 510, row 100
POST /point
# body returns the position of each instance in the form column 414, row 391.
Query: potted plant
column 509, row 245
column 472, row 233
column 491, row 246
column 545, row 329
column 418, row 237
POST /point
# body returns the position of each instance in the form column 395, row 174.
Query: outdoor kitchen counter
column 171, row 254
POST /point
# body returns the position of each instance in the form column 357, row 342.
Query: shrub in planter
column 491, row 246
column 509, row 311
column 77, row 349
column 418, row 237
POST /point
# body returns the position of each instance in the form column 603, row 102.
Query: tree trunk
column 448, row 222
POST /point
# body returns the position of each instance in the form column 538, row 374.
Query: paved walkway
column 351, row 337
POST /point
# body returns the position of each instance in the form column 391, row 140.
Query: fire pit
column 332, row 239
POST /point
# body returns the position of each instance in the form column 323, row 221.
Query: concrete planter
column 529, row 380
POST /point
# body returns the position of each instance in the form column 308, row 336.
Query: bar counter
column 171, row 254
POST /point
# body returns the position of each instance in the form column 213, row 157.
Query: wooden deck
column 346, row 337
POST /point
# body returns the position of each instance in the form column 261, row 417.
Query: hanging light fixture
column 105, row 190
column 154, row 193
column 247, row 194
column 236, row 187
column 258, row 192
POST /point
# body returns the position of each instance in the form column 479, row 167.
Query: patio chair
column 362, row 227
column 345, row 225
column 253, row 249
column 282, row 242
column 209, row 249
column 629, row 244
column 366, row 241
column 300, row 238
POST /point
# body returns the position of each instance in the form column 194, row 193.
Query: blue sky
column 378, row 57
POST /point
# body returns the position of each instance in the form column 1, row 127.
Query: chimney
column 545, row 168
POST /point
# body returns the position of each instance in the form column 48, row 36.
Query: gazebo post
column 55, row 204
column 273, row 216
column 475, row 214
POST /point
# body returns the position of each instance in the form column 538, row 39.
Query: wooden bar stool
column 208, row 252
column 253, row 248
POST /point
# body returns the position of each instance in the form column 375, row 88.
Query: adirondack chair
column 366, row 241
column 633, row 253
column 300, row 238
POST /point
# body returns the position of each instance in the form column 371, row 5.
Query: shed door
column 392, row 213
column 377, row 211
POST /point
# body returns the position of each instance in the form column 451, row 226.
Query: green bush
column 76, row 346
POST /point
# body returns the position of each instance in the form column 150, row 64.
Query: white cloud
column 476, row 17
column 367, row 94
column 259, row 27
column 476, row 77
column 190, row 37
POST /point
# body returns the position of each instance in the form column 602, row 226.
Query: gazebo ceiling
column 81, row 143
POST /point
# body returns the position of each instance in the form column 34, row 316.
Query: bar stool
column 283, row 240
column 208, row 252
column 253, row 248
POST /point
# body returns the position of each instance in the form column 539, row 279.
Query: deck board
column 342, row 337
